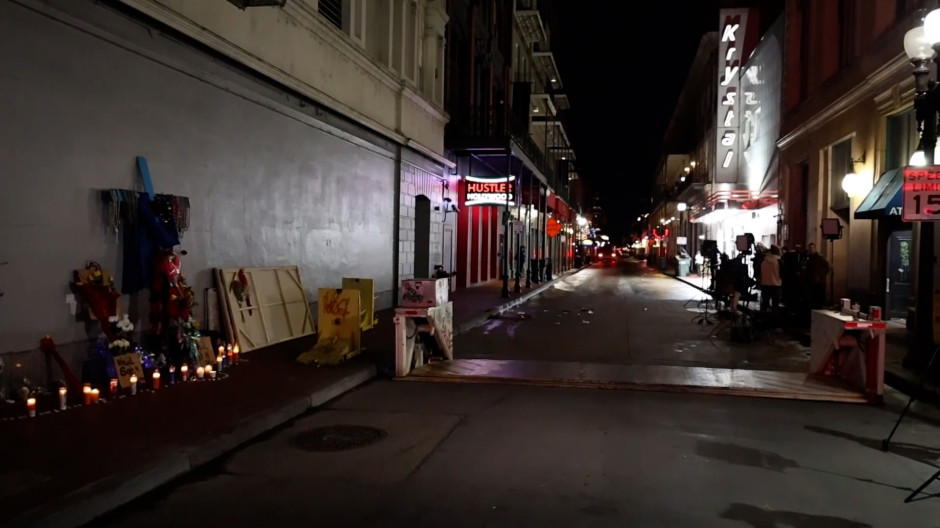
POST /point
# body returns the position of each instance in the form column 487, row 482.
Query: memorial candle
column 94, row 395
column 210, row 372
column 31, row 407
column 235, row 354
column 63, row 402
column 113, row 387
column 156, row 379
column 219, row 360
column 86, row 393
column 185, row 370
column 200, row 372
column 172, row 374
column 133, row 384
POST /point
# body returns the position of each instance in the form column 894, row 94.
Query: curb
column 98, row 498
column 489, row 314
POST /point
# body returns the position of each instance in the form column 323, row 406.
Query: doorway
column 422, row 237
column 447, row 259
column 898, row 275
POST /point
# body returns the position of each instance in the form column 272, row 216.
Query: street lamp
column 921, row 44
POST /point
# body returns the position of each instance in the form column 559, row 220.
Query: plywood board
column 338, row 315
column 264, row 306
column 366, row 289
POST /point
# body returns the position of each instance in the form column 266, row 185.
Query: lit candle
column 219, row 360
column 235, row 354
column 133, row 384
column 172, row 374
column 221, row 350
column 63, row 402
column 228, row 355
column 86, row 392
column 210, row 372
column 94, row 395
column 156, row 379
column 31, row 407
column 113, row 387
column 185, row 370
column 200, row 372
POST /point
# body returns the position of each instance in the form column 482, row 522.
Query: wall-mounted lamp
column 854, row 184
column 681, row 206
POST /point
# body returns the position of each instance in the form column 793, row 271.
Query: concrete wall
column 427, row 181
column 268, row 183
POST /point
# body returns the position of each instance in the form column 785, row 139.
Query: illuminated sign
column 489, row 191
column 921, row 194
column 732, row 30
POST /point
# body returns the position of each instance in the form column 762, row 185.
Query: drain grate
column 338, row 437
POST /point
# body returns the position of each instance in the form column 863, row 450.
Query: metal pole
column 506, row 230
column 528, row 235
column 925, row 256
column 544, row 226
column 519, row 251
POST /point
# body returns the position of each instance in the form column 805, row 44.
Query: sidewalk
column 897, row 376
column 66, row 468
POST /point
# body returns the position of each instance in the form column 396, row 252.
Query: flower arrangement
column 122, row 330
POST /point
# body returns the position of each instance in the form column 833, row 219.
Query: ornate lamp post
column 921, row 45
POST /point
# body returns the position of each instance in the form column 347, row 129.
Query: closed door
column 422, row 237
column 898, row 280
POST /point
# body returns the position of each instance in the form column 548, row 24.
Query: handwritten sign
column 126, row 366
column 206, row 354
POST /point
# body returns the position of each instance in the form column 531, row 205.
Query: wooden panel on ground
column 338, row 317
column 366, row 289
column 264, row 305
column 665, row 378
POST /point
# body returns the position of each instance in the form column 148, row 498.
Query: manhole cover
column 338, row 437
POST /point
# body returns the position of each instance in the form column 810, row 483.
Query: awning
column 884, row 199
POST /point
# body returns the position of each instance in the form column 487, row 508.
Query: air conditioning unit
column 242, row 4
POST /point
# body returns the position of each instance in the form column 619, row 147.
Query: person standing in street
column 817, row 269
column 770, row 281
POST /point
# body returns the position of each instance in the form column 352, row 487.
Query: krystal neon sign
column 489, row 191
column 733, row 33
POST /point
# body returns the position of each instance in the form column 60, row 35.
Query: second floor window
column 840, row 164
column 332, row 11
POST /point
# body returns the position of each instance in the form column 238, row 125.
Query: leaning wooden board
column 263, row 306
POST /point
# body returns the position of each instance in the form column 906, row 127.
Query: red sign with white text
column 921, row 194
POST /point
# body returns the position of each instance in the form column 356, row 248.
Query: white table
column 864, row 369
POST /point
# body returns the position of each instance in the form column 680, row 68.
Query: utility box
column 424, row 293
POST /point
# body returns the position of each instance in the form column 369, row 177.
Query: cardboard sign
column 206, row 354
column 127, row 365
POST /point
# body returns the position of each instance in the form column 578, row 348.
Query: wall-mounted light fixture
column 855, row 184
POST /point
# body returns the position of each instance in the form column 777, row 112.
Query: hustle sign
column 489, row 191
column 921, row 194
column 733, row 34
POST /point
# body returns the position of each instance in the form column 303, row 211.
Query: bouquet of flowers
column 122, row 330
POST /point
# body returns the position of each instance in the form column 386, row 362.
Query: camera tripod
column 707, row 299
column 886, row 443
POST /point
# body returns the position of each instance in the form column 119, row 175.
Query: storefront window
column 900, row 139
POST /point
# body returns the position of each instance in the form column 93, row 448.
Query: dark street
column 500, row 455
column 622, row 312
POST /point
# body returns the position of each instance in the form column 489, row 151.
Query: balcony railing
column 492, row 122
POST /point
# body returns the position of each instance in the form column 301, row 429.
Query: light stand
column 831, row 231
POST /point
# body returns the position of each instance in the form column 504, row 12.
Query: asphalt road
column 621, row 312
column 461, row 455
column 467, row 455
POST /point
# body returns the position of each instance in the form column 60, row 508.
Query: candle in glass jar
column 156, row 379
column 172, row 374
column 219, row 360
column 63, row 401
column 113, row 387
column 221, row 351
column 95, row 395
column 86, row 393
column 133, row 384
column 235, row 354
column 31, row 407
column 200, row 372
column 185, row 370
column 209, row 371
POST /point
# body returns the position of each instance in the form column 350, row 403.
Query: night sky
column 623, row 71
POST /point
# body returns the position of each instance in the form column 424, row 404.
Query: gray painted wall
column 268, row 184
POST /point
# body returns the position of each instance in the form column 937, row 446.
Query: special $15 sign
column 921, row 194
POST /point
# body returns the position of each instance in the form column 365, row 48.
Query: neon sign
column 733, row 28
column 489, row 191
